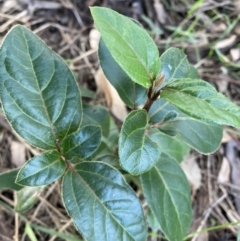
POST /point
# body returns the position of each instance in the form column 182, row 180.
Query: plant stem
column 151, row 98
column 148, row 105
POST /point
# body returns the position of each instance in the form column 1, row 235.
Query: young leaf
column 200, row 100
column 27, row 197
column 130, row 92
column 173, row 65
column 167, row 192
column 137, row 152
column 205, row 137
column 96, row 115
column 83, row 143
column 130, row 45
column 42, row 169
column 170, row 145
column 40, row 97
column 102, row 205
column 7, row 180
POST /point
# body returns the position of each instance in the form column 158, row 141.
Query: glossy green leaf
column 39, row 94
column 27, row 197
column 200, row 100
column 82, row 143
column 205, row 137
column 102, row 205
column 170, row 145
column 7, row 180
column 42, row 169
column 130, row 92
column 96, row 115
column 130, row 45
column 137, row 152
column 167, row 192
column 173, row 65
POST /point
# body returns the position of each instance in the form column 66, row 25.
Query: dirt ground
column 208, row 31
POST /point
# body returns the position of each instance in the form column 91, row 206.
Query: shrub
column 81, row 144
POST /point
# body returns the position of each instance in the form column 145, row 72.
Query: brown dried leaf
column 10, row 5
column 221, row 82
column 224, row 173
column 161, row 14
column 226, row 42
column 226, row 137
column 114, row 102
column 192, row 172
column 94, row 37
column 219, row 27
column 18, row 153
column 235, row 54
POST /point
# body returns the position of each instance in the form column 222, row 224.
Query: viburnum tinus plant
column 172, row 110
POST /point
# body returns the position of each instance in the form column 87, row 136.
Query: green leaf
column 173, row 65
column 152, row 221
column 39, row 94
column 113, row 136
column 130, row 92
column 167, row 192
column 170, row 145
column 96, row 115
column 7, row 180
column 205, row 137
column 130, row 45
column 87, row 93
column 28, row 230
column 193, row 73
column 137, row 152
column 170, row 115
column 102, row 205
column 42, row 169
column 83, row 143
column 108, row 149
column 200, row 100
column 27, row 197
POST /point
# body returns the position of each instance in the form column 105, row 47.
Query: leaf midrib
column 40, row 93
